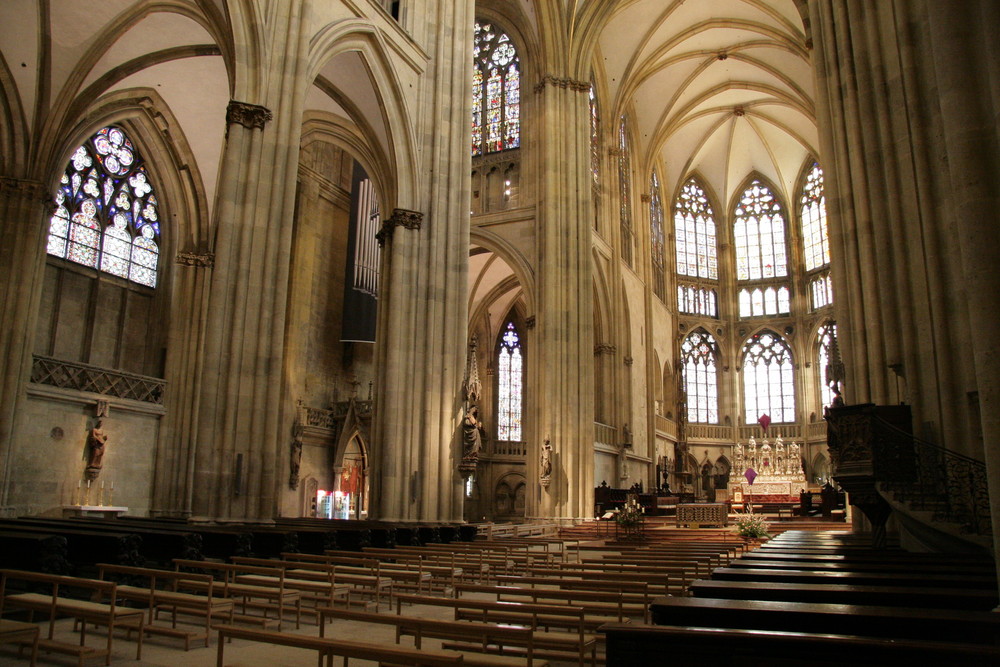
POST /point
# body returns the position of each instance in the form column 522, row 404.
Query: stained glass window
column 765, row 301
column 496, row 91
column 624, row 191
column 759, row 234
column 694, row 229
column 768, row 384
column 814, row 234
column 826, row 336
column 510, row 368
column 697, row 300
column 822, row 291
column 106, row 212
column 656, row 236
column 701, row 387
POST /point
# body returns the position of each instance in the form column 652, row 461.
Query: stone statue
column 545, row 467
column 473, row 433
column 296, row 455
column 765, row 457
column 97, row 441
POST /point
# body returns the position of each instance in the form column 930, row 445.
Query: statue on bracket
column 97, row 441
column 545, row 467
column 296, row 455
column 473, row 433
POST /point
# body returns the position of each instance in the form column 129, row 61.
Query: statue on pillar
column 295, row 455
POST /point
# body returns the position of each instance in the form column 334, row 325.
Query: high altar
column 779, row 469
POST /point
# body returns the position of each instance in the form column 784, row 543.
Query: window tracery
column 106, row 213
column 701, row 388
column 496, row 91
column 768, row 378
column 759, row 235
column 510, row 366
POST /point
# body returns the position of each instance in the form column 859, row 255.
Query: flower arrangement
column 751, row 525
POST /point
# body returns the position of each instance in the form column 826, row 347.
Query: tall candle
column 79, row 483
column 112, row 485
column 102, row 483
column 88, row 483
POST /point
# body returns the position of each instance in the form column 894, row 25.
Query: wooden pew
column 475, row 637
column 442, row 578
column 971, row 627
column 16, row 632
column 327, row 648
column 403, row 576
column 835, row 575
column 631, row 644
column 321, row 583
column 169, row 590
column 677, row 576
column 860, row 565
column 267, row 593
column 100, row 609
column 629, row 590
column 530, row 614
column 902, row 596
column 658, row 582
column 605, row 603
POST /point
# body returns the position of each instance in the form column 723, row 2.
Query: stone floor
column 158, row 651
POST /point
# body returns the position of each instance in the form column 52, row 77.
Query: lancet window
column 759, row 235
column 625, row 190
column 694, row 228
column 768, row 378
column 699, row 353
column 510, row 370
column 106, row 214
column 656, row 237
column 496, row 91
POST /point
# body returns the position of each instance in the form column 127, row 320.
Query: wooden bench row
column 88, row 601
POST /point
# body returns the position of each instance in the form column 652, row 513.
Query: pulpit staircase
column 938, row 497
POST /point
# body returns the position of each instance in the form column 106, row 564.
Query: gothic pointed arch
column 699, row 357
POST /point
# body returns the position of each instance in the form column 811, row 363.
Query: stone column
column 23, row 207
column 565, row 321
column 895, row 265
column 239, row 462
column 963, row 36
column 423, row 305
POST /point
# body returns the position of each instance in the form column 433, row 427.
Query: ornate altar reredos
column 778, row 468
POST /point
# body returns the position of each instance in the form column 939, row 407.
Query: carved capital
column 530, row 322
column 205, row 260
column 407, row 219
column 628, row 361
column 250, row 116
column 564, row 83
column 400, row 217
column 605, row 348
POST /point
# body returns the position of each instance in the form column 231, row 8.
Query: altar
column 101, row 511
column 776, row 471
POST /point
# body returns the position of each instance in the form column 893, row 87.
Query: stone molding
column 250, row 116
column 17, row 187
column 205, row 260
column 560, row 82
column 400, row 217
column 605, row 348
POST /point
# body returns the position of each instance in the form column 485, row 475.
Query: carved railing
column 508, row 448
column 785, row 431
column 605, row 435
column 97, row 380
column 929, row 477
column 667, row 427
column 710, row 432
